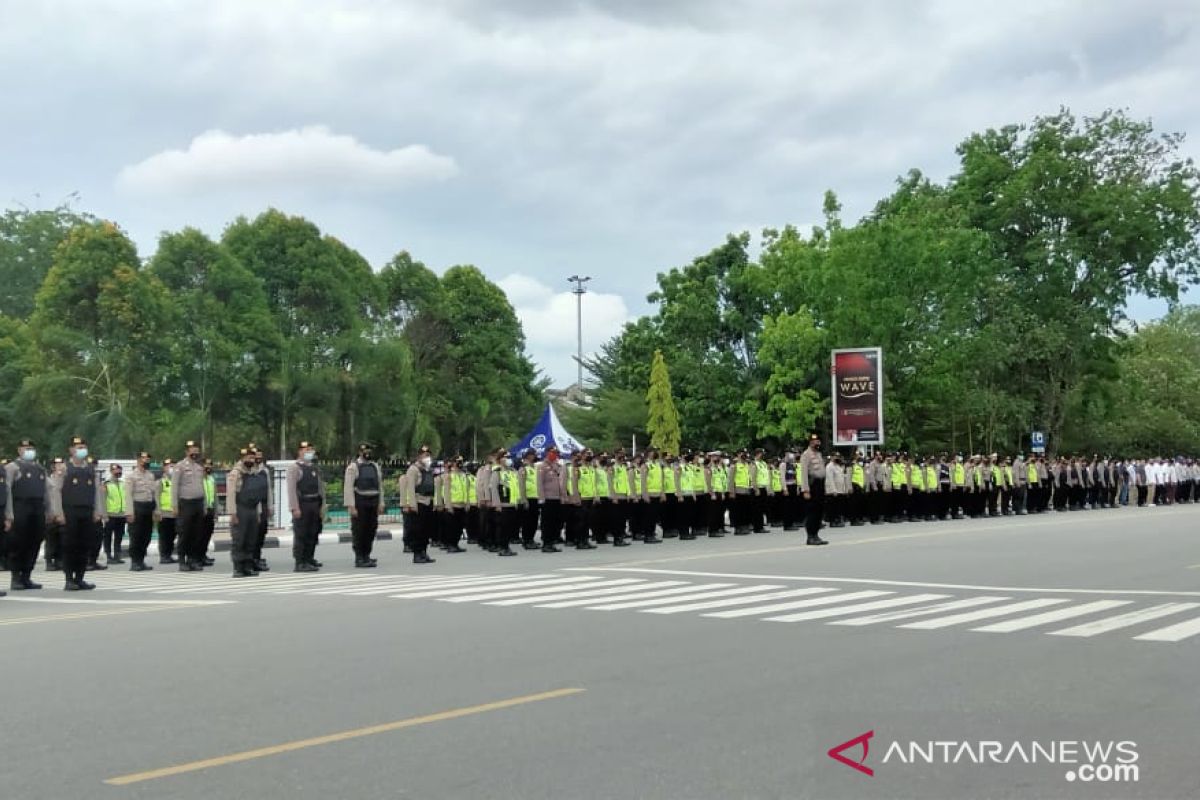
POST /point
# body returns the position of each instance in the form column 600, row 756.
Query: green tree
column 28, row 240
column 662, row 420
column 790, row 349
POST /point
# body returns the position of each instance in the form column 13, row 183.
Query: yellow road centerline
column 301, row 744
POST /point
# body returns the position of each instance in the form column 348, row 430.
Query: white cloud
column 549, row 320
column 312, row 157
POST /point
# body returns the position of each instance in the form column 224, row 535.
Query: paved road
column 708, row 669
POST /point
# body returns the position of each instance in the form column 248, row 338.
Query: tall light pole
column 579, row 292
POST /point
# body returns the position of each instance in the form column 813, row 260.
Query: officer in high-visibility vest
column 958, row 480
column 471, row 522
column 164, row 513
column 530, row 502
column 210, row 513
column 931, row 488
column 115, row 505
column 644, row 510
column 652, row 495
column 900, row 489
column 685, row 509
column 670, row 495
column 945, row 487
column 602, row 502
column 858, row 491
column 775, row 497
column 743, row 488
column 621, row 488
column 504, row 493
column 1006, row 486
column 716, row 479
column 760, row 475
column 585, row 486
column 455, row 499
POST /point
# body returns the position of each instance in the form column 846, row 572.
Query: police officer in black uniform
column 248, row 494
column 78, row 505
column 306, row 496
column 363, row 496
column 25, row 514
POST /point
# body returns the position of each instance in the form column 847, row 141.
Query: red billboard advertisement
column 857, row 396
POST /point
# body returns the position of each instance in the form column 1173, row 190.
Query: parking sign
column 1037, row 442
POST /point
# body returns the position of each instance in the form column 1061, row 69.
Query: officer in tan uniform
column 247, row 495
column 187, row 498
column 306, row 498
column 812, row 484
column 417, row 500
column 362, row 493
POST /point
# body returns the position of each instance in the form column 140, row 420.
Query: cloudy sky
column 537, row 139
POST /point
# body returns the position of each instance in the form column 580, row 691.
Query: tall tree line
column 999, row 297
column 274, row 333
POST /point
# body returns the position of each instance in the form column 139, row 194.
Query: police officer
column 25, row 514
column 306, row 497
column 363, row 496
column 264, row 520
column 187, row 499
column 530, row 508
column 455, row 499
column 165, row 513
column 53, row 530
column 209, row 524
column 247, row 495
column 417, row 500
column 115, row 517
column 79, row 505
column 812, row 484
column 551, row 491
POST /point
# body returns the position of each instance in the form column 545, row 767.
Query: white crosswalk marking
column 678, row 590
column 589, row 593
column 398, row 583
column 1125, row 620
column 816, row 601
column 735, row 601
column 664, row 601
column 909, row 613
column 544, row 590
column 857, row 607
column 1172, row 633
column 1046, row 617
column 544, row 581
column 987, row 613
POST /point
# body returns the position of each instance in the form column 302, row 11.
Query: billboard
column 857, row 396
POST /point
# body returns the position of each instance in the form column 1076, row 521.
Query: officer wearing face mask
column 812, row 484
column 419, row 488
column 306, row 496
column 362, row 493
column 53, row 535
column 247, row 496
column 79, row 505
column 114, row 515
column 187, row 498
column 25, row 514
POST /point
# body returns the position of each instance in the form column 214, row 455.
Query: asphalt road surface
column 719, row 668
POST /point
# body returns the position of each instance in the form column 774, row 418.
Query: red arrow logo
column 864, row 739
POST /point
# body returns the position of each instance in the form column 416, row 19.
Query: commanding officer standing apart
column 363, row 497
column 247, row 494
column 79, row 505
column 812, row 484
column 187, row 498
column 306, row 496
column 25, row 514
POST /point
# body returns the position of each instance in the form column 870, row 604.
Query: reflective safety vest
column 978, row 473
column 720, row 480
column 960, row 475
column 777, row 481
column 513, row 482
column 635, row 480
column 620, row 481
column 668, row 477
column 472, row 497
column 858, row 476
column 1033, row 474
column 114, row 502
column 918, row 478
column 585, row 483
column 897, row 475
column 996, row 476
column 1008, row 475
column 931, row 478
column 459, row 489
column 164, row 497
column 210, row 491
column 531, row 481
column 685, row 479
column 602, row 482
column 654, row 478
column 741, row 475
column 762, row 473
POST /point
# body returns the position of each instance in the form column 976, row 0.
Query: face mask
column 816, row 446
column 29, row 454
column 208, row 470
column 248, row 464
column 725, row 462
column 309, row 455
column 116, row 476
column 508, row 462
column 194, row 456
column 81, row 453
column 426, row 461
column 366, row 455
